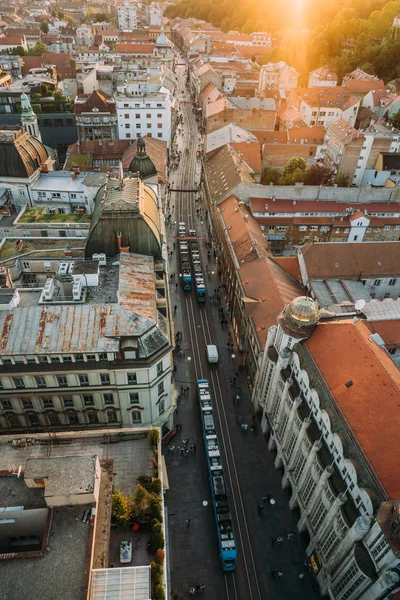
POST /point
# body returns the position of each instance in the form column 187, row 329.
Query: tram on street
column 184, row 258
column 199, row 285
column 222, row 513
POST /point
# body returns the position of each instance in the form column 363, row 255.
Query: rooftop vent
column 349, row 384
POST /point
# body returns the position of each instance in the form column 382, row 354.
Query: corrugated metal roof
column 63, row 329
column 137, row 291
column 126, row 583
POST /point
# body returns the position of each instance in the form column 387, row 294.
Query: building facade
column 127, row 16
column 141, row 113
column 333, row 477
column 115, row 370
column 96, row 117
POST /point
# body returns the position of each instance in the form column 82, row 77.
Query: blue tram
column 184, row 258
column 198, row 276
column 223, row 519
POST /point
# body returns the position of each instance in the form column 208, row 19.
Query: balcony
column 272, row 354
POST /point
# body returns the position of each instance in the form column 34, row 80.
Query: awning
column 165, row 475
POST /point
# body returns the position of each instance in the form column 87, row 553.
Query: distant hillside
column 310, row 33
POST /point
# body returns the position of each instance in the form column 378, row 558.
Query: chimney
column 68, row 252
column 76, row 170
column 119, row 238
column 73, row 175
column 20, row 245
column 44, row 168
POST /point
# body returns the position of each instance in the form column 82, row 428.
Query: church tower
column 29, row 119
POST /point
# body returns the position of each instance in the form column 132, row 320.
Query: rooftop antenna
column 359, row 305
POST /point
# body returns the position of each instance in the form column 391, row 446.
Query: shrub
column 154, row 522
column 158, row 580
column 145, row 481
column 155, row 486
column 156, row 569
column 160, row 593
column 157, row 538
column 155, row 510
column 154, row 437
column 154, row 463
column 140, row 502
column 159, row 557
column 120, row 511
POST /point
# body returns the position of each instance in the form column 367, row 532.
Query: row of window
column 139, row 116
column 128, row 135
column 72, row 418
column 62, row 358
column 146, row 106
column 138, row 125
column 68, row 402
column 62, row 380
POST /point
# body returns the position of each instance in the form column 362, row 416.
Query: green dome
column 141, row 162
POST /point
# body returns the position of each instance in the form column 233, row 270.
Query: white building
column 155, row 15
column 84, row 35
column 377, row 138
column 144, row 113
column 322, row 77
column 127, row 16
column 277, row 76
column 97, row 354
column 322, row 105
column 315, row 384
column 67, row 192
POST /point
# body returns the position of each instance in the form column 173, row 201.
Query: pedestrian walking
column 268, row 497
column 244, row 426
column 188, row 388
column 175, row 307
column 192, row 591
column 188, row 523
column 273, row 541
column 279, row 540
column 194, row 447
column 176, row 287
column 291, row 536
column 202, row 587
column 301, row 576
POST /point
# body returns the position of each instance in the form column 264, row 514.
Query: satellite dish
column 359, row 305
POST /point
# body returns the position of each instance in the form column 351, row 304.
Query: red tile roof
column 268, row 289
column 135, row 48
column 290, row 264
column 343, row 352
column 251, row 154
column 351, row 260
column 300, row 206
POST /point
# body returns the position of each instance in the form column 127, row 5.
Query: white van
column 212, row 354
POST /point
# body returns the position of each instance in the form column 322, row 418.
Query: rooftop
column 226, row 135
column 64, row 475
column 344, row 351
column 61, row 572
column 39, row 215
column 351, row 260
column 39, row 248
column 120, row 304
column 225, row 172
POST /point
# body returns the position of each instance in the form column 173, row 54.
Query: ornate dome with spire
column 300, row 316
column 141, row 162
column 162, row 39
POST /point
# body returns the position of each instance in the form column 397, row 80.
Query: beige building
column 326, row 392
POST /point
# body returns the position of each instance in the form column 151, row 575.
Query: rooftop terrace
column 39, row 215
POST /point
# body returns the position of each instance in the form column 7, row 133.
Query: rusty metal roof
column 137, row 289
column 90, row 327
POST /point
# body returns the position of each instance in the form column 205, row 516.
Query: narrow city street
column 249, row 467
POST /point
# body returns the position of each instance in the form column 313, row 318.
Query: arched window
column 93, row 417
column 13, row 420
column 136, row 417
column 52, row 418
column 112, row 416
column 72, row 417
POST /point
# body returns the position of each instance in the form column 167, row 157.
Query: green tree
column 44, row 26
column 60, row 14
column 294, row 164
column 140, row 501
column 269, row 175
column 395, row 120
column 101, row 17
column 317, row 175
column 37, row 50
column 342, row 180
column 120, row 511
column 19, row 51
